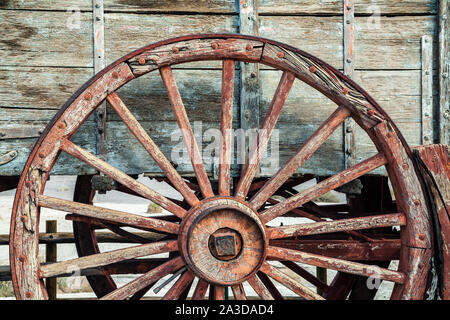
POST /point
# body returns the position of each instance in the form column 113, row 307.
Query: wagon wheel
column 224, row 231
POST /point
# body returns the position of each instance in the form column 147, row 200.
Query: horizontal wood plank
column 50, row 39
column 230, row 6
column 391, row 43
column 335, row 7
column 127, row 32
column 32, row 38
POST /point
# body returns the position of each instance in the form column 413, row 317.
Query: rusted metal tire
column 220, row 230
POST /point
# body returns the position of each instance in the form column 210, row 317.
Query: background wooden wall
column 43, row 61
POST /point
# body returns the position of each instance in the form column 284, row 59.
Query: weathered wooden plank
column 194, row 6
column 369, row 7
column 50, row 38
column 394, row 45
column 22, row 87
column 148, row 101
column 38, row 87
column 127, row 32
column 391, row 43
column 85, row 5
column 32, row 38
column 427, row 90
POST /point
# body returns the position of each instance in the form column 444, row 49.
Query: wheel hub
column 223, row 241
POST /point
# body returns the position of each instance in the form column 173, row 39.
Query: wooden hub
column 235, row 236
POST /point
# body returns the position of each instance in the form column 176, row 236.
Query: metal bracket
column 8, row 157
column 99, row 64
column 427, row 89
column 349, row 67
column 250, row 83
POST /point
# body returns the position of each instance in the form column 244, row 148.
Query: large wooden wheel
column 220, row 235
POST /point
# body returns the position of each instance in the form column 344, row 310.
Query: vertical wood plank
column 444, row 87
column 250, row 82
column 51, row 256
column 99, row 64
column 427, row 90
column 349, row 68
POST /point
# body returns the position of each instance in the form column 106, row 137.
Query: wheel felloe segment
column 223, row 241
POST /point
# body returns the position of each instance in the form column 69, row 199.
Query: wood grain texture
column 324, row 187
column 144, row 280
column 106, row 215
column 259, row 288
column 369, row 222
column 105, row 258
column 34, row 38
column 230, row 6
column 337, row 264
column 124, row 32
column 335, row 7
column 289, row 282
column 394, row 45
column 437, row 158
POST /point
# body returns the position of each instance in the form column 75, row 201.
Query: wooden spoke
column 341, row 286
column 238, row 292
column 290, row 283
column 131, row 266
column 336, row 264
column 257, row 151
column 324, row 187
column 177, row 289
column 378, row 250
column 142, row 136
column 100, row 224
column 226, row 123
column 186, row 131
column 259, row 288
column 306, row 275
column 107, row 214
column 270, row 286
column 298, row 212
column 145, row 280
column 126, row 234
column 200, row 290
column 370, row 222
column 141, row 293
column 303, row 154
column 121, row 177
column 106, row 258
column 218, row 292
